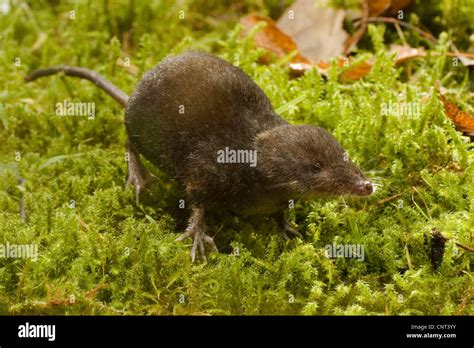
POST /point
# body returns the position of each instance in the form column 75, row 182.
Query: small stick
column 388, row 199
column 465, row 247
column 400, row 33
column 354, row 39
column 441, row 168
column 427, row 35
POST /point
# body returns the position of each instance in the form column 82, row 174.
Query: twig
column 426, row 34
column 400, row 33
column 455, row 54
column 465, row 247
column 354, row 39
column 388, row 199
column 440, row 168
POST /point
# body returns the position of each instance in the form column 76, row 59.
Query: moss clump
column 100, row 253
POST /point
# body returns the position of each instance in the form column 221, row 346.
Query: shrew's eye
column 317, row 166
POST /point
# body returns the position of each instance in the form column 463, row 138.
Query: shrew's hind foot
column 197, row 230
column 138, row 176
column 286, row 230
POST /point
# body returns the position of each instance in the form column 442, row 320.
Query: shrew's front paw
column 197, row 230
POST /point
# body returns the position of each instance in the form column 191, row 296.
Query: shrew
column 193, row 106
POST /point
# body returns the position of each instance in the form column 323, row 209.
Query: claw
column 287, row 229
column 139, row 182
column 287, row 232
column 138, row 176
column 196, row 230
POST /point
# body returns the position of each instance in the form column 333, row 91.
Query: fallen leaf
column 397, row 5
column 377, row 7
column 317, row 30
column 276, row 41
column 352, row 72
column 271, row 38
column 298, row 69
column 464, row 122
column 355, row 71
column 465, row 58
column 406, row 52
column 466, row 61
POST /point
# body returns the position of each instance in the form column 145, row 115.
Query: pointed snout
column 364, row 188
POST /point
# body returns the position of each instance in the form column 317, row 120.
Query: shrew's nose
column 364, row 188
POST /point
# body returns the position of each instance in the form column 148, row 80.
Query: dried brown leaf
column 407, row 52
column 464, row 122
column 377, row 7
column 271, row 38
column 316, row 28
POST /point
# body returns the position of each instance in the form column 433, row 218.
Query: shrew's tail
column 83, row 73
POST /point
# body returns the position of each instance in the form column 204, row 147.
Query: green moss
column 100, row 253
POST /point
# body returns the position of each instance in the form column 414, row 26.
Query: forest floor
column 101, row 253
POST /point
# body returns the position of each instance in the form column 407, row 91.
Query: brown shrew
column 206, row 123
